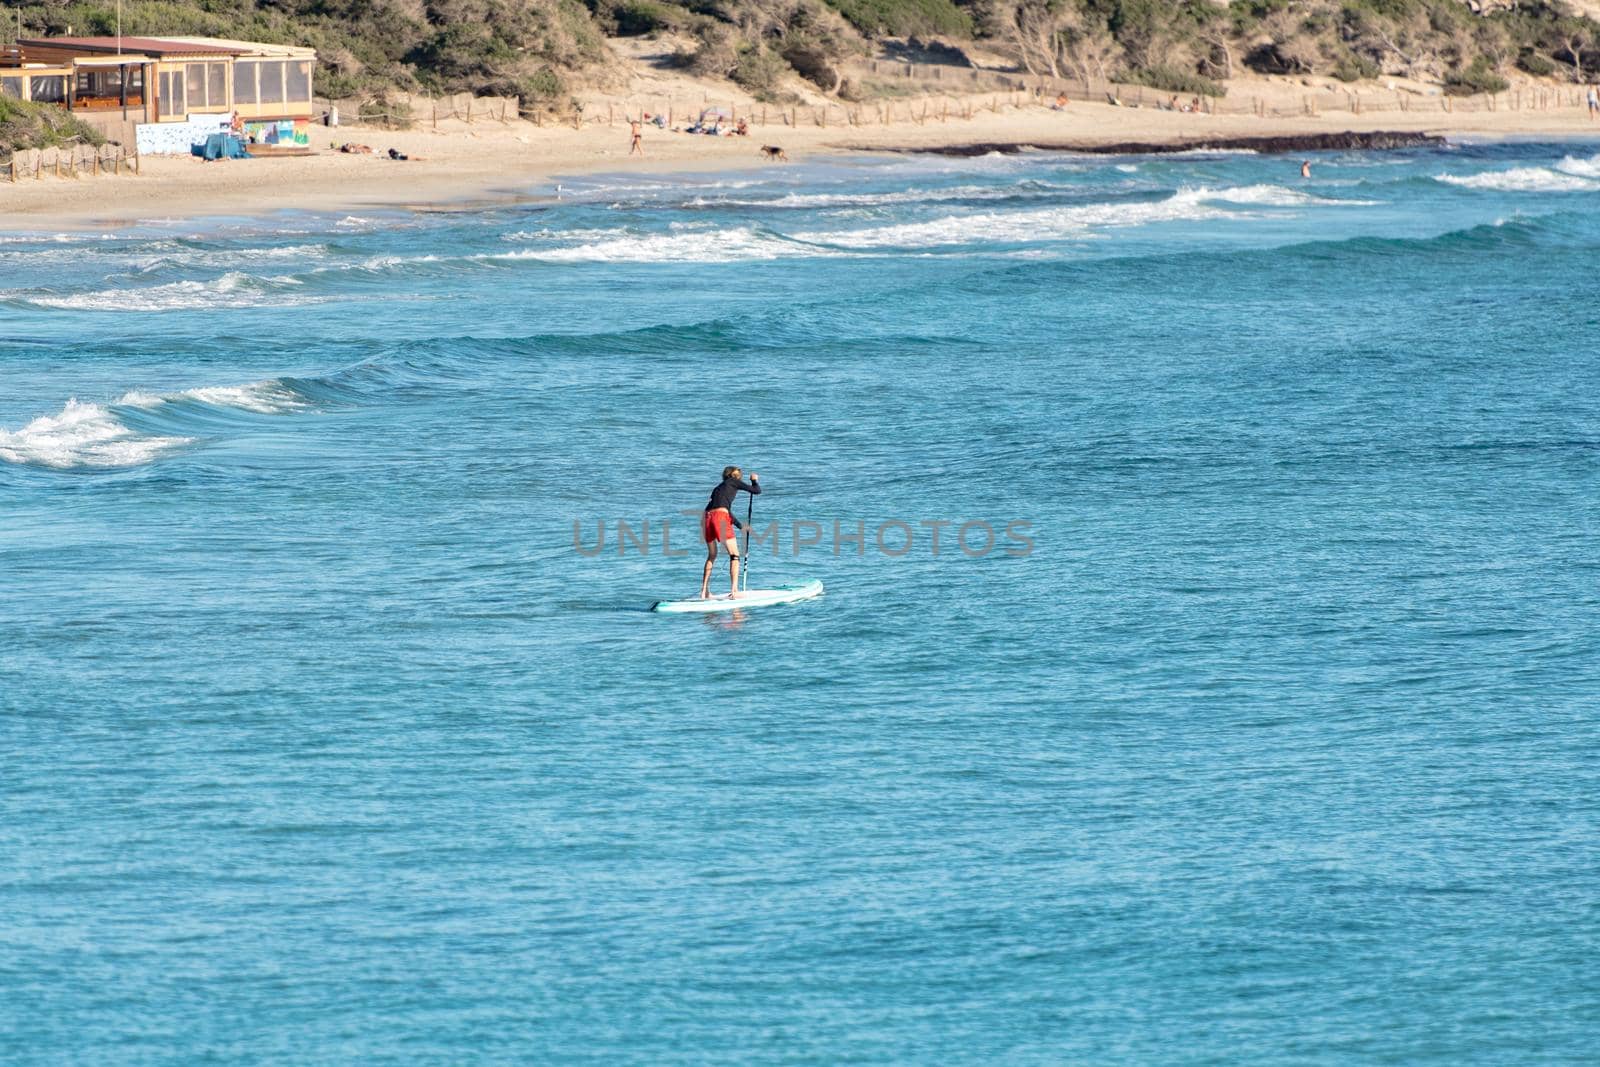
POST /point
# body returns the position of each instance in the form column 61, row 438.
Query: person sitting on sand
column 742, row 130
column 1061, row 102
column 1194, row 105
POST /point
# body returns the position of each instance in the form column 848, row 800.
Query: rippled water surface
column 322, row 742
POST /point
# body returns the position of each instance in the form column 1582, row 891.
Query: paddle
column 749, row 510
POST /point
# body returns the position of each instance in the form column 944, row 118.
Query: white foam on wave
column 1274, row 196
column 1582, row 168
column 692, row 246
column 1044, row 224
column 82, row 435
column 177, row 256
column 93, row 435
column 1523, row 180
column 268, row 397
column 902, row 196
column 232, row 290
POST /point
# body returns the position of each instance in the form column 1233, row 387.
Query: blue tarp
column 220, row 146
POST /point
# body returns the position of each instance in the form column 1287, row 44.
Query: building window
column 174, row 101
column 49, row 88
column 244, row 82
column 216, row 85
column 13, row 87
column 272, row 82
column 297, row 79
column 195, row 83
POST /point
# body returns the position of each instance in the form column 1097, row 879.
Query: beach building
column 123, row 84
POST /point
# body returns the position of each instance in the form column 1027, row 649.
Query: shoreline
column 464, row 167
column 1348, row 141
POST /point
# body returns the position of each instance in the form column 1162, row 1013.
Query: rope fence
column 942, row 94
column 1354, row 101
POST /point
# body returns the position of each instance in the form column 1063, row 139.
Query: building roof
column 153, row 46
column 249, row 48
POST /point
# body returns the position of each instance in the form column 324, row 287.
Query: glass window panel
column 50, row 88
column 174, row 100
column 244, row 82
column 298, row 81
column 11, row 87
column 272, row 83
column 217, row 84
column 195, row 83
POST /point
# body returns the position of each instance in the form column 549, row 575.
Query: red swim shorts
column 716, row 525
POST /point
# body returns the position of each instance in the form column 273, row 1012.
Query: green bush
column 635, row 18
column 1477, row 77
column 542, row 85
column 905, row 18
column 1174, row 80
column 758, row 71
column 25, row 124
column 1351, row 67
column 1536, row 63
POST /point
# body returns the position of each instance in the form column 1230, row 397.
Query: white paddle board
column 749, row 598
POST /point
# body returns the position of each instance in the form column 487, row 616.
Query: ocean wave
column 902, row 196
column 109, row 435
column 176, row 255
column 1582, row 168
column 1523, row 180
column 740, row 244
column 1274, row 196
column 271, row 396
column 83, row 435
column 234, row 289
column 1023, row 226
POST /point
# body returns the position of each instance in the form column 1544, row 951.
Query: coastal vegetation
column 540, row 50
column 28, row 125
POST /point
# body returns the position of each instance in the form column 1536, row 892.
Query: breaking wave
column 83, row 435
column 696, row 246
column 1274, row 196
column 138, row 427
column 1527, row 179
column 1025, row 226
column 232, row 290
column 1582, row 168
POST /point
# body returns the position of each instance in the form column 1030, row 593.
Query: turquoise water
column 1274, row 741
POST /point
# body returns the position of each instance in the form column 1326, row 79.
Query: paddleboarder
column 719, row 526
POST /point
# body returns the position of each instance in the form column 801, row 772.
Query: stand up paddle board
column 749, row 598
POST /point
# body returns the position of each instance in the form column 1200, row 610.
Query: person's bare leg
column 705, row 575
column 732, row 545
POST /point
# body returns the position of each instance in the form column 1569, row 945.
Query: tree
column 1572, row 36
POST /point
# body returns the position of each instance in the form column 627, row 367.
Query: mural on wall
column 174, row 138
column 282, row 131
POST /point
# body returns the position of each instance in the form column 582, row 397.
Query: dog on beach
column 774, row 154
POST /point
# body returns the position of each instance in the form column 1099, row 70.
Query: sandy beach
column 459, row 164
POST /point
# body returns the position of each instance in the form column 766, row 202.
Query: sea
column 1207, row 670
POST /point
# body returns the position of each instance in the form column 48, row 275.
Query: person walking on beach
column 637, row 147
column 719, row 526
column 1594, row 102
